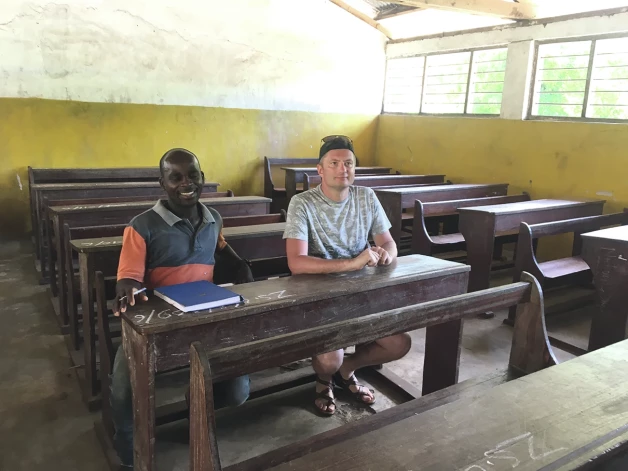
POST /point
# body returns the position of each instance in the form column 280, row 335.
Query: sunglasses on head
column 336, row 136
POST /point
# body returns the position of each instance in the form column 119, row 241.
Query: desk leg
column 71, row 301
column 291, row 186
column 139, row 351
column 86, row 273
column 478, row 230
column 610, row 276
column 442, row 356
column 50, row 260
column 62, row 281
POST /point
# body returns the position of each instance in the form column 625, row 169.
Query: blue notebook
column 197, row 296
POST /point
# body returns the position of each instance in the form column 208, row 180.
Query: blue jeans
column 226, row 393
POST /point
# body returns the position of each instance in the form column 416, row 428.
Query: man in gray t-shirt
column 327, row 231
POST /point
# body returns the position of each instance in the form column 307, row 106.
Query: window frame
column 466, row 99
column 587, row 89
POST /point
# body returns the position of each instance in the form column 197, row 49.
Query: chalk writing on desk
column 163, row 315
column 507, row 457
column 275, row 295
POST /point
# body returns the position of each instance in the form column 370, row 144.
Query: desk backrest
column 124, row 199
column 270, row 162
column 530, row 349
column 311, row 181
column 71, row 175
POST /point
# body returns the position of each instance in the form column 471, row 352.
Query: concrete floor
column 45, row 425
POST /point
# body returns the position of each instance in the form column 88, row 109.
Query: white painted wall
column 589, row 26
column 305, row 55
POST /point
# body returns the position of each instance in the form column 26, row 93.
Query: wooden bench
column 262, row 245
column 606, row 252
column 571, row 270
column 426, row 244
column 373, row 181
column 98, row 190
column 275, row 193
column 529, row 353
column 296, row 176
column 396, row 200
column 121, row 213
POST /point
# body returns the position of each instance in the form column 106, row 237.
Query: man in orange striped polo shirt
column 179, row 240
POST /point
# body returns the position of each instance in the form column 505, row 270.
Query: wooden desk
column 479, row 224
column 157, row 338
column 103, row 254
column 606, row 252
column 394, row 201
column 294, row 175
column 122, row 213
column 534, row 423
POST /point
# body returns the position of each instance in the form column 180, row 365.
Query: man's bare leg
column 375, row 353
column 325, row 366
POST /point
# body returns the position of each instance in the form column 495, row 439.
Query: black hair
column 172, row 153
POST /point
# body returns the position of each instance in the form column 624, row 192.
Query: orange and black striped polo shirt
column 161, row 249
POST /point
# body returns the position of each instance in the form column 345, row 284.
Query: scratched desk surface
column 104, row 244
column 230, row 200
column 158, row 316
column 551, row 420
column 615, row 233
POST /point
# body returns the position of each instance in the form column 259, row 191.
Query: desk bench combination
column 156, row 338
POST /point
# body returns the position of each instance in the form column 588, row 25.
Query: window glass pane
column 404, row 77
column 560, row 81
column 487, row 81
column 446, row 78
column 608, row 95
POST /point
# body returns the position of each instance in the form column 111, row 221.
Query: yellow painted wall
column 230, row 143
column 547, row 159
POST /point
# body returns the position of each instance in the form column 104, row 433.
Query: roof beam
column 399, row 10
column 358, row 14
column 498, row 8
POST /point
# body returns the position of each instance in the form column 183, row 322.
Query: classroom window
column 582, row 79
column 468, row 82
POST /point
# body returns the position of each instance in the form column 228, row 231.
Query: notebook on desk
column 197, row 296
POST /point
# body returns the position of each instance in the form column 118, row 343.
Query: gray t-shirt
column 335, row 230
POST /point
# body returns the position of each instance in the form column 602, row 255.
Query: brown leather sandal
column 360, row 394
column 325, row 394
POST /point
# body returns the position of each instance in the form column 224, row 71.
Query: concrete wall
column 306, row 55
column 232, row 81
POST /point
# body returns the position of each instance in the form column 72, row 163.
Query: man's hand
column 367, row 258
column 384, row 256
column 126, row 287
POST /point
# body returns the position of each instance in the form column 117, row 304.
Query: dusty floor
column 44, row 424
